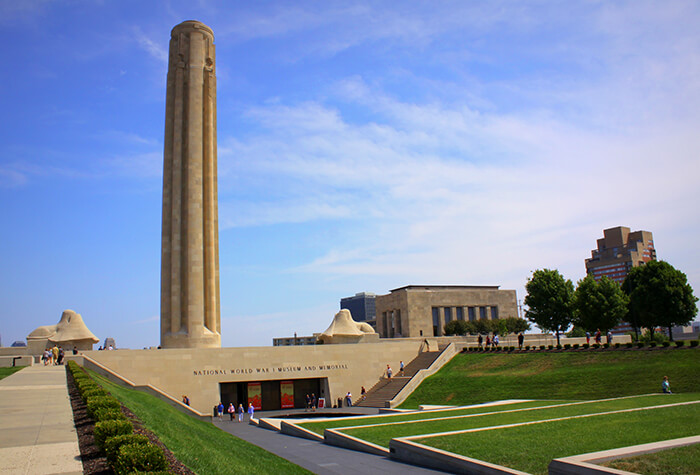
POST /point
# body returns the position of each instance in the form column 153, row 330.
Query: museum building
column 423, row 310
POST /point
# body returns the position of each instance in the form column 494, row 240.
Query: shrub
column 576, row 346
column 666, row 344
column 629, row 345
column 93, row 393
column 558, row 347
column 567, row 346
column 652, row 344
column 106, row 429
column 680, row 343
column 99, row 402
column 617, row 345
column 113, row 444
column 140, row 458
column 640, row 344
column 109, row 414
column 551, row 347
column 542, row 347
column 693, row 342
column 527, row 348
column 512, row 348
column 586, row 345
column 606, row 345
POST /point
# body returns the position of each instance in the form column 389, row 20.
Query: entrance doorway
column 270, row 392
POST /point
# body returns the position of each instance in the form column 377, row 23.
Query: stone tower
column 189, row 308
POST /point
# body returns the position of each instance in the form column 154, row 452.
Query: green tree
column 456, row 327
column 599, row 305
column 516, row 325
column 659, row 296
column 548, row 299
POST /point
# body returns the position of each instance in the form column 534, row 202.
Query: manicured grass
column 320, row 426
column 5, row 372
column 472, row 378
column 382, row 434
column 200, row 445
column 678, row 461
column 530, row 448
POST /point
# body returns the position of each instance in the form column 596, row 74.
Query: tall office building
column 362, row 307
column 618, row 252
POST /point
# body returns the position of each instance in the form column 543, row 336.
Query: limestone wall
column 198, row 372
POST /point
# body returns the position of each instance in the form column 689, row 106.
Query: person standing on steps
column 401, row 367
column 388, row 372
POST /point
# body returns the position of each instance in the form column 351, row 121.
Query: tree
column 659, row 296
column 456, row 327
column 516, row 325
column 548, row 299
column 599, row 305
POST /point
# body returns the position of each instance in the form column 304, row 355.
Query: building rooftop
column 446, row 287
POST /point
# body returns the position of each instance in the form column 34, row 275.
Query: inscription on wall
column 269, row 370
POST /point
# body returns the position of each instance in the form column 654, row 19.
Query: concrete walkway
column 37, row 433
column 318, row 457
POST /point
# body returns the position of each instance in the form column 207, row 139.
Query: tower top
column 191, row 25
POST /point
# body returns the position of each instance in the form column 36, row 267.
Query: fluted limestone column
column 189, row 309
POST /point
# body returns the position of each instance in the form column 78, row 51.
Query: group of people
column 390, row 372
column 599, row 337
column 232, row 411
column 311, row 402
column 53, row 356
column 490, row 342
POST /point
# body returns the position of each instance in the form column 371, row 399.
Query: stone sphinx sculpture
column 343, row 329
column 69, row 332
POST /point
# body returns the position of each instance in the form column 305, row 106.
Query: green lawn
column 382, row 434
column 471, row 378
column 530, row 448
column 320, row 426
column 200, row 445
column 5, row 372
column 678, row 461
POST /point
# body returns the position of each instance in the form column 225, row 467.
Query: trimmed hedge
column 99, row 402
column 113, row 444
column 109, row 414
column 106, row 429
column 140, row 458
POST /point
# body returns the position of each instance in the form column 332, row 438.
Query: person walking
column 251, row 411
column 388, row 372
column 480, row 340
column 521, row 338
column 220, row 410
column 231, row 411
column 348, row 399
column 401, row 367
column 588, row 338
column 665, row 386
column 241, row 411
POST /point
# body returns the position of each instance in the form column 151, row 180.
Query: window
column 472, row 313
column 436, row 321
column 482, row 314
column 448, row 314
column 494, row 313
column 460, row 313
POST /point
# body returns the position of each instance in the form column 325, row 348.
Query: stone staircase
column 386, row 389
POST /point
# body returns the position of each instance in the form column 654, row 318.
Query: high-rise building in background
column 619, row 251
column 362, row 307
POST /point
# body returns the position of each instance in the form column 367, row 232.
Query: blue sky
column 363, row 146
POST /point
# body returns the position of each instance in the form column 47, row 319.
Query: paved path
column 37, row 433
column 318, row 457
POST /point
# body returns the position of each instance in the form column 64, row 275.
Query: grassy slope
column 201, row 446
column 472, row 378
column 530, row 448
column 678, row 461
column 5, row 372
column 319, row 427
column 381, row 435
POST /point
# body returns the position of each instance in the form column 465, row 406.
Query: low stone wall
column 9, row 361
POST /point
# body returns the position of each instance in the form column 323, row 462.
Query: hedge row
column 576, row 346
column 126, row 452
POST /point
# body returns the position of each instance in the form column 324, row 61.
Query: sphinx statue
column 343, row 329
column 69, row 332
